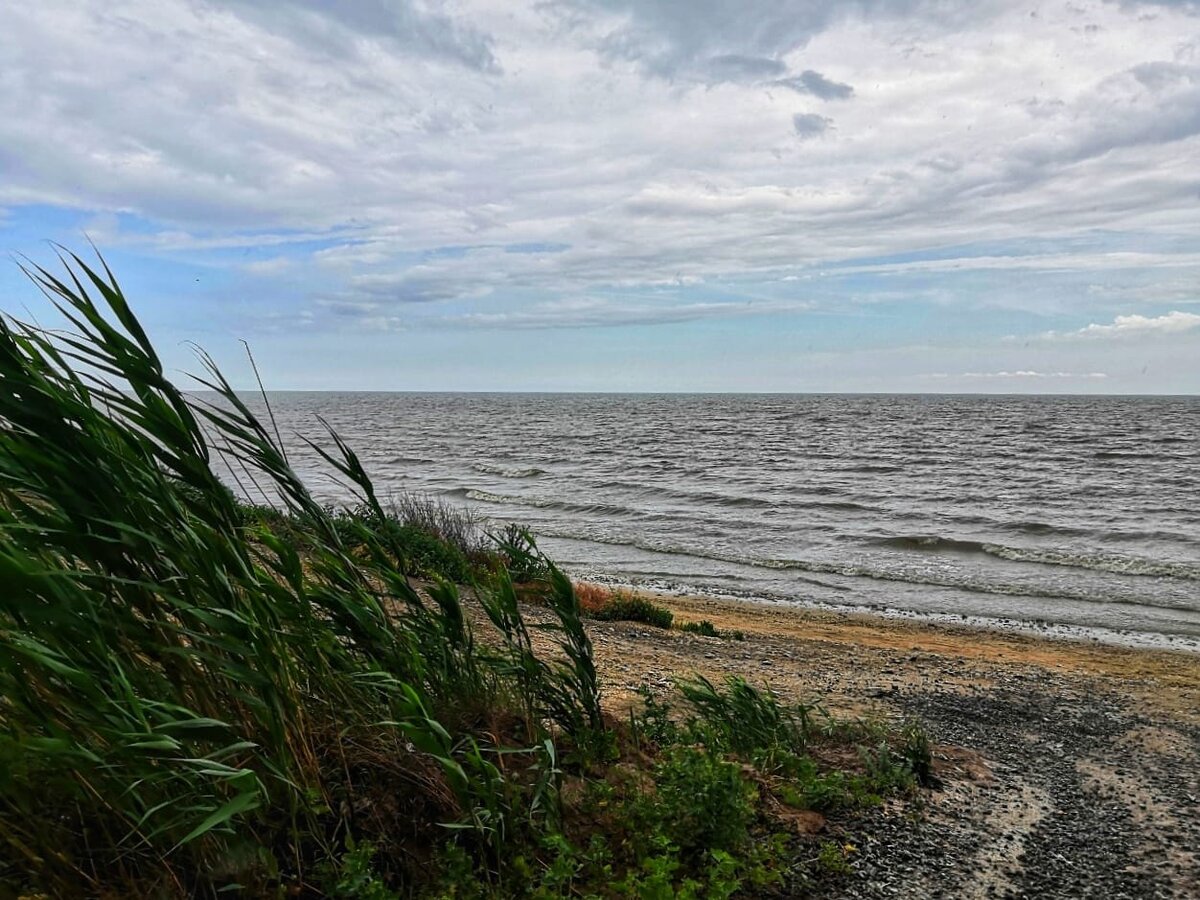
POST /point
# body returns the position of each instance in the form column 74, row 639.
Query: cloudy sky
column 798, row 195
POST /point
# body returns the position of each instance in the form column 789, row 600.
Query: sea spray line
column 508, row 472
column 856, row 571
column 1118, row 565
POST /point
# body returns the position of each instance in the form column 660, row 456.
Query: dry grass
column 593, row 598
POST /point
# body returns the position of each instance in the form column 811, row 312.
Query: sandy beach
column 1070, row 769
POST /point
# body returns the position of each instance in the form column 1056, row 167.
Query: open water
column 1051, row 512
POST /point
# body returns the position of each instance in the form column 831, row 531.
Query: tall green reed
column 175, row 684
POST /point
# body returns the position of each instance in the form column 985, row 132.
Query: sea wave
column 904, row 576
column 711, row 498
column 508, row 471
column 481, row 496
column 1117, row 565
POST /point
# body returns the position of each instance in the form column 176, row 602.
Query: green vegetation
column 199, row 697
column 615, row 605
column 706, row 628
column 625, row 608
column 433, row 539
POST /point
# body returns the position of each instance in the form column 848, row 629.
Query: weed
column 701, row 801
column 520, row 554
column 654, row 724
column 806, row 785
column 744, row 719
column 834, row 859
column 357, row 879
column 706, row 628
column 625, row 608
column 917, row 753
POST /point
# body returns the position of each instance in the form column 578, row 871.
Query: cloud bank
column 907, row 176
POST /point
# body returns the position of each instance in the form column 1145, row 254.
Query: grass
column 433, row 539
column 201, row 698
column 608, row 604
column 455, row 525
column 188, row 699
column 615, row 605
column 706, row 628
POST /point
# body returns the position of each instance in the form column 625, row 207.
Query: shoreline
column 1036, row 628
column 1069, row 768
column 879, row 642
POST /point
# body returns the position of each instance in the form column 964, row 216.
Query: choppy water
column 1073, row 511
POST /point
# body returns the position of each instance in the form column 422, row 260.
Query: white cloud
column 1170, row 323
column 1024, row 373
column 1094, row 261
column 403, row 24
column 586, row 312
column 405, row 137
column 675, row 39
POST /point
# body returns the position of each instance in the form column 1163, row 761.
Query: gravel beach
column 1069, row 769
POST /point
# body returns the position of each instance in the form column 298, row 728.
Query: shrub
column 419, row 550
column 592, row 597
column 625, row 608
column 457, row 526
column 615, row 605
column 701, row 802
column 706, row 628
column 427, row 556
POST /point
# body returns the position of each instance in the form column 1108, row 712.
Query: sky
column 623, row 195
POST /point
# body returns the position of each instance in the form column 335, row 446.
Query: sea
column 1060, row 514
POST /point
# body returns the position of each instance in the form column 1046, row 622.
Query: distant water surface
column 1077, row 512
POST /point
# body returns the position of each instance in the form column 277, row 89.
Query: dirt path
column 1071, row 769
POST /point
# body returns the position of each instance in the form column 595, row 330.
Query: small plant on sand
column 701, row 802
column 520, row 555
column 834, row 858
column 917, row 753
column 614, row 605
column 706, row 628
